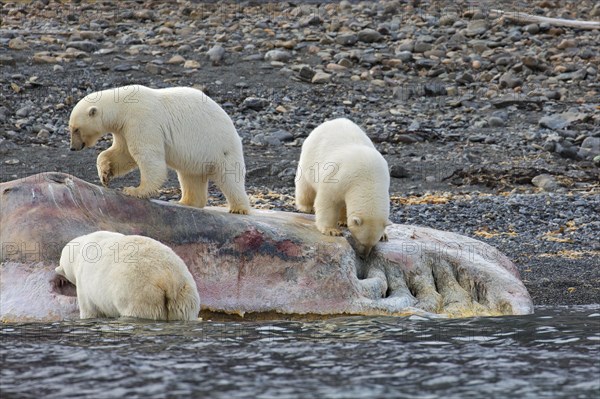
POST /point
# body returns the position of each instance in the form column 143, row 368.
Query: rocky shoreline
column 491, row 127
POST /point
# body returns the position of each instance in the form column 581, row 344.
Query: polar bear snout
column 76, row 141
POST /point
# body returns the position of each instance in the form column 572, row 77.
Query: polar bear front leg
column 327, row 215
column 114, row 162
column 194, row 189
column 305, row 196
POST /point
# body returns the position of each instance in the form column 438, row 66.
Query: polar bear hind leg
column 231, row 183
column 194, row 189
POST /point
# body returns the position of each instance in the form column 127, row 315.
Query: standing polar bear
column 178, row 127
column 343, row 179
column 130, row 276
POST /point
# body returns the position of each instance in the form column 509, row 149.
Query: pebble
column 43, row 134
column 191, row 64
column 398, row 171
column 369, row 36
column 567, row 43
column 495, row 121
column 176, row 59
column 346, row 39
column 215, row 54
column 84, row 45
column 545, row 182
column 320, row 77
column 278, row 55
column 255, row 103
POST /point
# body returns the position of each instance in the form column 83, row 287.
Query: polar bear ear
column 92, row 111
column 356, row 220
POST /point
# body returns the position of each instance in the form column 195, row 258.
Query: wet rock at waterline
column 267, row 262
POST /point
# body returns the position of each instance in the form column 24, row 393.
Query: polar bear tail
column 184, row 304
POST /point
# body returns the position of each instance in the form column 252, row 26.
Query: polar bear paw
column 330, row 231
column 239, row 211
column 135, row 192
column 306, row 209
column 384, row 237
column 105, row 172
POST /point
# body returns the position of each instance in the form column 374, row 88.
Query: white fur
column 179, row 127
column 130, row 276
column 345, row 180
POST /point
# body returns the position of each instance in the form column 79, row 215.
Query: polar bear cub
column 130, row 276
column 343, row 179
column 152, row 129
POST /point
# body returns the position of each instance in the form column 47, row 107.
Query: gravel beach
column 490, row 125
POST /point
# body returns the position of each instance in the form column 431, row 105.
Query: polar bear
column 131, row 276
column 178, row 127
column 343, row 179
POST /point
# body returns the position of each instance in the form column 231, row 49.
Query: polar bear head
column 87, row 121
column 367, row 232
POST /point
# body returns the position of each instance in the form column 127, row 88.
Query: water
column 552, row 354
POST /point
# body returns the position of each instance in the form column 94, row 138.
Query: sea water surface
column 554, row 353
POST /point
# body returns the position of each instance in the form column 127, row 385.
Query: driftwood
column 528, row 18
column 267, row 262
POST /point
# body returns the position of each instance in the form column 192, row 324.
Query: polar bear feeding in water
column 130, row 276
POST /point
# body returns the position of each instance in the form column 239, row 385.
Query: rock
column 255, row 103
column 17, row 44
column 421, row 47
column 532, row 28
column 596, row 161
column 508, row 80
column 278, row 55
column 434, row 89
column 282, row 135
column 476, row 27
column 346, row 39
column 191, row 64
column 495, row 121
column 23, row 112
column 464, row 78
column 176, row 59
column 560, row 121
column 308, row 272
column 406, row 45
column 320, row 77
column 122, row 67
column 545, row 182
column 84, row 45
column 448, row 19
column 398, row 171
column 7, row 60
column 215, row 54
column 306, row 73
column 369, row 36
column 566, row 151
column 43, row 134
column 281, row 109
column 590, row 148
column 405, row 56
column 311, row 20
column 567, row 43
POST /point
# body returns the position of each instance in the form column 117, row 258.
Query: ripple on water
column 550, row 354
